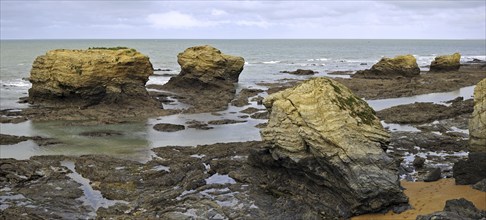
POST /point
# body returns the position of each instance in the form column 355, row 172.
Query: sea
column 264, row 62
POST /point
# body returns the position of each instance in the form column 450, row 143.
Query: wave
column 318, row 59
column 272, row 62
column 15, row 83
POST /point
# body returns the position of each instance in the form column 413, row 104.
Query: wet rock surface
column 422, row 84
column 399, row 66
column 207, row 78
column 225, row 122
column 244, row 95
column 6, row 139
column 300, row 72
column 414, row 113
column 165, row 127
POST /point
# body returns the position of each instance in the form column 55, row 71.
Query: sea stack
column 473, row 169
column 90, row 77
column 322, row 134
column 446, row 63
column 207, row 78
column 399, row 66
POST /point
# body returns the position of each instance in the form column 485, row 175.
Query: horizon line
column 2, row 39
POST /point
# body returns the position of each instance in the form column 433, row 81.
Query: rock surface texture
column 456, row 209
column 331, row 140
column 404, row 66
column 207, row 78
column 89, row 77
column 473, row 169
column 446, row 63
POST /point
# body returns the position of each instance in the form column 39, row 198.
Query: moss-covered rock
column 446, row 63
column 404, row 66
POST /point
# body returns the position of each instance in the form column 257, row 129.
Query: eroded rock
column 321, row 130
column 473, row 169
column 166, row 127
column 446, row 63
column 207, row 78
column 89, row 77
column 399, row 66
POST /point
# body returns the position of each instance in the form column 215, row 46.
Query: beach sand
column 426, row 198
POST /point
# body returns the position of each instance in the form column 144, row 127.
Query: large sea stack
column 400, row 66
column 90, row 77
column 326, row 147
column 446, row 63
column 473, row 169
column 207, row 78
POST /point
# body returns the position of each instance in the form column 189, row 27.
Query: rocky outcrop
column 477, row 124
column 207, row 78
column 320, row 132
column 473, row 169
column 446, row 63
column 89, row 77
column 400, row 66
column 456, row 209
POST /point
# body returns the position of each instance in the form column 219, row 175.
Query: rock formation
column 89, row 77
column 405, row 66
column 473, row 169
column 456, row 209
column 330, row 139
column 446, row 63
column 207, row 78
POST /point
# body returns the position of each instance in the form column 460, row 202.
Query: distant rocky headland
column 324, row 153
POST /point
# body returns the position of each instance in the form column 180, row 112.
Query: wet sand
column 426, row 198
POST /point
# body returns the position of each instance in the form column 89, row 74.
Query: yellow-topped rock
column 90, row 76
column 446, row 63
column 403, row 65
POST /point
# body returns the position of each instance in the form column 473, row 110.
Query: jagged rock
column 89, row 77
column 404, row 66
column 323, row 133
column 473, row 169
column 446, row 63
column 456, row 209
column 207, row 78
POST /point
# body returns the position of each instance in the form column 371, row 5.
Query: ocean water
column 264, row 61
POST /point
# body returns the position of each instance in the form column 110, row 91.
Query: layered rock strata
column 322, row 134
column 399, row 66
column 207, row 78
column 89, row 77
column 473, row 169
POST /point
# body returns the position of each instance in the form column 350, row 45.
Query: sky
column 125, row 19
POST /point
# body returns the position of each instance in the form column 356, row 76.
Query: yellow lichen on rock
column 477, row 124
column 446, row 63
column 325, row 116
column 93, row 74
column 403, row 66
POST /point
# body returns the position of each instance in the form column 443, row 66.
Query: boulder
column 90, row 77
column 207, row 78
column 433, row 175
column 446, row 63
column 400, row 66
column 323, row 135
column 456, row 209
column 473, row 169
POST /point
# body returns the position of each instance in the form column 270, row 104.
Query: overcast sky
column 124, row 19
